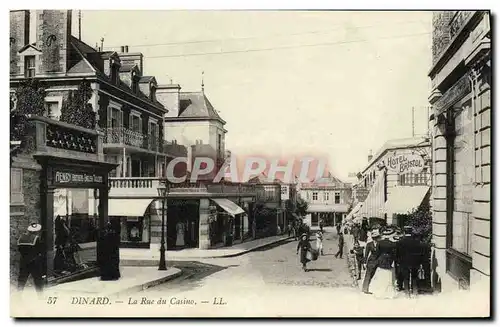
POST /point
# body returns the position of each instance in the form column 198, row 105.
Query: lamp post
column 162, row 192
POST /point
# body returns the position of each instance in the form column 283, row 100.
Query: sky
column 336, row 84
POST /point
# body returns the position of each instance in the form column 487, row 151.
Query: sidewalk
column 146, row 257
column 133, row 279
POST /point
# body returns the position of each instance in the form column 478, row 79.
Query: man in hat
column 409, row 257
column 371, row 259
column 31, row 263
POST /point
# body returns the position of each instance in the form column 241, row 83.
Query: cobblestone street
column 272, row 267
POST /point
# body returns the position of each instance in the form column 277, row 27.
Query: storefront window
column 463, row 178
column 134, row 230
column 75, row 230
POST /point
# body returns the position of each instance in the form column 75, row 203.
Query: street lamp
column 162, row 193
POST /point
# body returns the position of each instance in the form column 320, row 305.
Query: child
column 351, row 263
column 319, row 242
column 359, row 252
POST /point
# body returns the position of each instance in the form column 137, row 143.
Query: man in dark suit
column 409, row 257
column 371, row 260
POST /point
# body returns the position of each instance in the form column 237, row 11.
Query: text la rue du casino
column 143, row 300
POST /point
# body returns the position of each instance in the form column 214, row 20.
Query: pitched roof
column 146, row 79
column 197, row 105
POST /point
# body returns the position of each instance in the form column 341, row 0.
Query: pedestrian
column 355, row 232
column 319, row 242
column 382, row 285
column 340, row 252
column 409, row 257
column 289, row 228
column 338, row 228
column 363, row 237
column 321, row 224
column 109, row 262
column 358, row 251
column 351, row 263
column 305, row 247
column 371, row 260
column 31, row 249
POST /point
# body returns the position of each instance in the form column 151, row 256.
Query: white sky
column 340, row 99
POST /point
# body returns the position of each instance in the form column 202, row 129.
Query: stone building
column 461, row 144
column 328, row 200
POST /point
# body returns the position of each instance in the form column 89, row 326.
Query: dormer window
column 152, row 91
column 29, row 66
column 135, row 82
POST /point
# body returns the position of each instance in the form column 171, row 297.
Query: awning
column 128, row 207
column 229, row 206
column 354, row 211
column 404, row 199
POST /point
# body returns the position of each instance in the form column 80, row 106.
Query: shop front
column 74, row 207
column 133, row 216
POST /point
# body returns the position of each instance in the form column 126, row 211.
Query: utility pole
column 412, row 121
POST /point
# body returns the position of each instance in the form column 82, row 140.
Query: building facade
column 328, row 200
column 461, row 144
column 396, row 179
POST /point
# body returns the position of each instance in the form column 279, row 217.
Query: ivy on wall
column 76, row 110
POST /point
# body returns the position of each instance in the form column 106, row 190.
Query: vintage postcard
column 250, row 163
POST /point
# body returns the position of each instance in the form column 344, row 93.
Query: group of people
column 391, row 262
column 307, row 252
column 33, row 252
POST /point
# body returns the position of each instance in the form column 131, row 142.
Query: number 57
column 52, row 300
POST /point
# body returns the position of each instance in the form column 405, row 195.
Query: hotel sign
column 405, row 163
column 77, row 178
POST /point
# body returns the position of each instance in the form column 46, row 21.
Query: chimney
column 133, row 57
column 370, row 156
column 19, row 36
column 169, row 96
column 126, row 49
column 53, row 35
column 122, row 49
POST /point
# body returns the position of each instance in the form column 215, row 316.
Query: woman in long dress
column 382, row 284
column 180, row 234
column 304, row 247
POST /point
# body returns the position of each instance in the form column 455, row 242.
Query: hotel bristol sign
column 405, row 163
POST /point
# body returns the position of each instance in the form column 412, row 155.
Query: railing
column 414, row 179
column 41, row 133
column 152, row 183
column 122, row 135
column 446, row 26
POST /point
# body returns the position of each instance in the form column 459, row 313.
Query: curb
column 146, row 285
column 153, row 262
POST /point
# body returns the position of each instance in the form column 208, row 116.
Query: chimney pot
column 126, row 49
column 122, row 49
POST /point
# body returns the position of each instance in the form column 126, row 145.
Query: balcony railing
column 147, row 186
column 125, row 136
column 446, row 27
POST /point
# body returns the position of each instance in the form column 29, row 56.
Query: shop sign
column 405, row 163
column 62, row 178
column 285, row 192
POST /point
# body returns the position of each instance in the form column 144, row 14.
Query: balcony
column 146, row 187
column 124, row 136
column 447, row 25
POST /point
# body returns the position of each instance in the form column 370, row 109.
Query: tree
column 301, row 207
column 421, row 220
column 76, row 110
column 30, row 98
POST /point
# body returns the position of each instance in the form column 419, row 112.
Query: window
column 53, row 110
column 29, row 66
column 135, row 123
column 153, row 136
column 326, row 196
column 315, row 196
column 463, row 180
column 219, row 143
column 337, row 197
column 16, row 186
